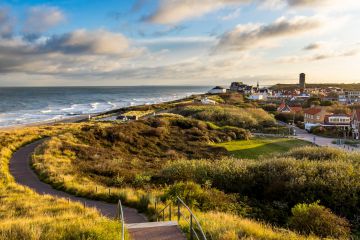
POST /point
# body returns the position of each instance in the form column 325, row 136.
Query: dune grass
column 257, row 147
column 27, row 215
column 57, row 168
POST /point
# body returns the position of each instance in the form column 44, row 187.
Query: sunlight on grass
column 256, row 147
column 27, row 215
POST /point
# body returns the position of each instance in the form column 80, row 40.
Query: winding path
column 137, row 224
column 24, row 175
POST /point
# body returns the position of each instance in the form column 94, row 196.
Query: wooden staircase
column 156, row 230
column 164, row 230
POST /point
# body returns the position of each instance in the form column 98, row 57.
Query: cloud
column 80, row 50
column 81, row 41
column 6, row 24
column 174, row 11
column 312, row 46
column 248, row 36
column 320, row 56
column 41, row 18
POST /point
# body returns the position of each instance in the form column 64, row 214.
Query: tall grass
column 27, row 215
column 227, row 115
column 58, row 168
column 335, row 182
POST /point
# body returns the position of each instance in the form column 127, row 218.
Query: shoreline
column 83, row 117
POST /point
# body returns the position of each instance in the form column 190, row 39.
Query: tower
column 302, row 81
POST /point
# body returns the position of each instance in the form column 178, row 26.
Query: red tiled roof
column 312, row 111
column 296, row 109
column 282, row 105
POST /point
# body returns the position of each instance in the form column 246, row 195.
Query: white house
column 208, row 101
column 217, row 90
column 258, row 97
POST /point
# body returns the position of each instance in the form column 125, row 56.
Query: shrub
column 143, row 203
column 317, row 153
column 316, row 219
column 227, row 115
column 336, row 183
column 205, row 198
column 290, row 117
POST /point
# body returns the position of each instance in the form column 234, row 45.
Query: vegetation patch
column 228, row 115
column 27, row 215
column 257, row 147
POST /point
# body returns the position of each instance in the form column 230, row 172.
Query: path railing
column 195, row 229
column 120, row 215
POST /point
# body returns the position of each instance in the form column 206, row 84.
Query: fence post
column 163, row 215
column 109, row 191
column 191, row 228
column 178, row 210
column 170, row 212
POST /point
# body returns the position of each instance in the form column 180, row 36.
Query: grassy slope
column 257, row 147
column 27, row 215
column 218, row 225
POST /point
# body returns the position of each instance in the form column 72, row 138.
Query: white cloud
column 174, row 11
column 249, row 36
column 77, row 51
column 41, row 18
column 88, row 42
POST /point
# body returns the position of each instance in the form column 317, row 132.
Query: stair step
column 151, row 224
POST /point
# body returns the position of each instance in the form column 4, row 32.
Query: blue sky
column 176, row 42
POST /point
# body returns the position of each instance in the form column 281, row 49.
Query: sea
column 26, row 105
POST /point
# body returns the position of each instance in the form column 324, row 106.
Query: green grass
column 257, row 147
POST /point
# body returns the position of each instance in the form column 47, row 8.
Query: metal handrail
column 180, row 214
column 120, row 215
column 192, row 217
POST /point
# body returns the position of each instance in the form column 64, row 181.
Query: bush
column 227, row 115
column 317, row 153
column 316, row 219
column 205, row 199
column 336, row 183
column 289, row 117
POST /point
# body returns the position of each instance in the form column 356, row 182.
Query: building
column 207, row 101
column 217, row 90
column 285, row 108
column 315, row 115
column 337, row 120
column 350, row 97
column 355, row 124
column 258, row 97
column 302, row 81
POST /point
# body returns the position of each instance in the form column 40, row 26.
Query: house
column 285, row 108
column 207, row 101
column 350, row 97
column 258, row 97
column 337, row 120
column 217, row 90
column 355, row 124
column 315, row 115
column 126, row 118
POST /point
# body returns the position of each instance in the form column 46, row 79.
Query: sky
column 178, row 42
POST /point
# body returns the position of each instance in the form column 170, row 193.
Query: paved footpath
column 137, row 224
column 302, row 134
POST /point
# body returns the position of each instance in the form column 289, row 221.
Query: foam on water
column 30, row 105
